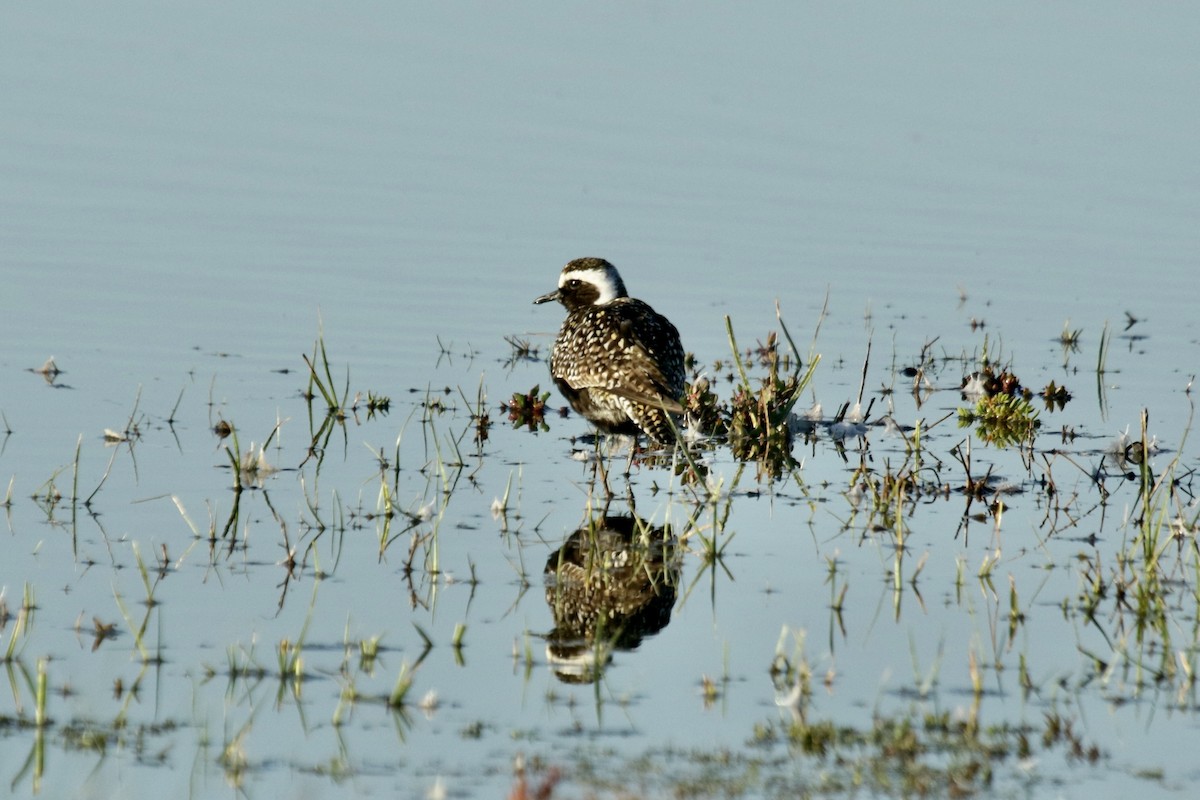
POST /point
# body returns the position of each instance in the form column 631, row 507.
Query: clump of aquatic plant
column 483, row 423
column 522, row 350
column 479, row 412
column 528, row 410
column 701, row 406
column 1069, row 338
column 48, row 495
column 759, row 426
column 377, row 404
column 321, row 383
column 912, row 756
column 149, row 603
column 1002, row 414
column 339, row 405
column 1139, row 599
column 1056, row 397
column 1001, row 419
column 250, row 467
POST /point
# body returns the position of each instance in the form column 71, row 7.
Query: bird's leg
column 632, row 453
column 600, row 470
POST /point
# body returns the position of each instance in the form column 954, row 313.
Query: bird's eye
column 574, row 283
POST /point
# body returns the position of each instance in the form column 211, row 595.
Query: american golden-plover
column 617, row 361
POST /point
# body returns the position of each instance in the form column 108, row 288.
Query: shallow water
column 191, row 196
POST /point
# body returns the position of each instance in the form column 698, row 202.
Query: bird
column 618, row 362
column 612, row 584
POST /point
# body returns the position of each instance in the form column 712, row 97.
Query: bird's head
column 586, row 282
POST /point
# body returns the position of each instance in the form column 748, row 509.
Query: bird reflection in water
column 610, row 585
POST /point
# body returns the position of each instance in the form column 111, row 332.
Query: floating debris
column 429, row 703
column 254, row 466
column 49, row 370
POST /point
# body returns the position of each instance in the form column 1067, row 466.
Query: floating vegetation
column 528, row 410
column 1070, row 337
column 918, row 754
column 1002, row 415
column 378, row 404
column 1056, row 397
column 1002, row 419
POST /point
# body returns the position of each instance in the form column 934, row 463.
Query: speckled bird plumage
column 612, row 584
column 616, row 360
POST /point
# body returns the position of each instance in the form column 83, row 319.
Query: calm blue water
column 188, row 195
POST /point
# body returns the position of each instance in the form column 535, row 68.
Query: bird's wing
column 638, row 346
column 653, row 401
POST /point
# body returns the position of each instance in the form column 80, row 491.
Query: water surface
column 190, row 196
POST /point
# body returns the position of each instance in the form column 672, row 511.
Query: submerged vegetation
column 435, row 505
